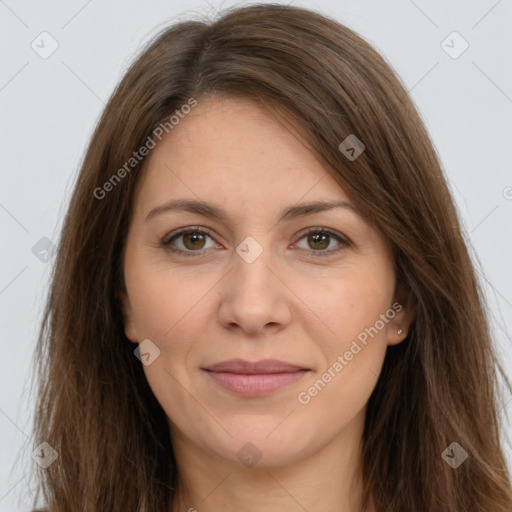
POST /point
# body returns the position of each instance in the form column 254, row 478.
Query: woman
column 262, row 298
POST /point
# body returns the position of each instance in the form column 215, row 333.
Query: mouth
column 254, row 379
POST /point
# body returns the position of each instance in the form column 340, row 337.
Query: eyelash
column 166, row 242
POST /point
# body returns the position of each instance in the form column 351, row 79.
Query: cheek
column 348, row 306
column 167, row 304
column 170, row 310
column 354, row 344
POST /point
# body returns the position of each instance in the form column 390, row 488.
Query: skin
column 288, row 304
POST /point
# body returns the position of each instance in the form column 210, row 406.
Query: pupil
column 319, row 238
column 194, row 237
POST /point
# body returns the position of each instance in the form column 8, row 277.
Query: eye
column 193, row 240
column 319, row 240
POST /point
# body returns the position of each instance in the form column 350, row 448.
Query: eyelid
column 167, row 238
column 320, row 229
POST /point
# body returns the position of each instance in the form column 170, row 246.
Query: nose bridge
column 251, row 264
column 253, row 296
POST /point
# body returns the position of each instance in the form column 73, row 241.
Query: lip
column 257, row 367
column 253, row 379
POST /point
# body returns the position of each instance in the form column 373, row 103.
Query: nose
column 254, row 297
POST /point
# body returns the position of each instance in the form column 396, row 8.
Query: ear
column 129, row 324
column 404, row 315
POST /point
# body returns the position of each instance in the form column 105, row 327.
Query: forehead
column 235, row 150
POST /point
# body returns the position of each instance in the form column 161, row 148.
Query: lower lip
column 260, row 384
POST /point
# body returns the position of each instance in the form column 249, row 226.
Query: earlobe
column 400, row 325
column 396, row 337
column 129, row 324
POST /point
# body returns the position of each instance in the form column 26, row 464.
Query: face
column 312, row 290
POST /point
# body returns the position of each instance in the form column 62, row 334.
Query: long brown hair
column 439, row 386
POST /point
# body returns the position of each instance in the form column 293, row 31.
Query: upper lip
column 256, row 367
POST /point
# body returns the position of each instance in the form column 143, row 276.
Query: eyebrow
column 215, row 212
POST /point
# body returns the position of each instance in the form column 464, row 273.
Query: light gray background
column 49, row 106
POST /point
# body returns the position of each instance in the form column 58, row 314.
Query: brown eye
column 193, row 240
column 187, row 241
column 318, row 242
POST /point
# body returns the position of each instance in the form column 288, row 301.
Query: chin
column 265, row 444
